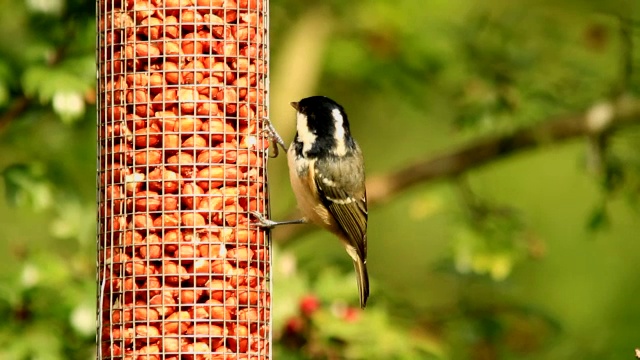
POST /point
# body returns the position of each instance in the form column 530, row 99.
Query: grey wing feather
column 347, row 203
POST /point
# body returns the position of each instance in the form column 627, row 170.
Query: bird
column 326, row 170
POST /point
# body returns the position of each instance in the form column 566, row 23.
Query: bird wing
column 347, row 204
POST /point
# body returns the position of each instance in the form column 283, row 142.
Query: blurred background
column 519, row 241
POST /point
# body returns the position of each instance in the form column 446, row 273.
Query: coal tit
column 326, row 169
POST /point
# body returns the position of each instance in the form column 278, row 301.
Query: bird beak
column 295, row 105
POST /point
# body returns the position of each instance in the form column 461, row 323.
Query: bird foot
column 273, row 135
column 270, row 224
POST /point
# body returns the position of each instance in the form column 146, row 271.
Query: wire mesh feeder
column 182, row 273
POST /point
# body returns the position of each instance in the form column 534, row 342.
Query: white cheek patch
column 338, row 120
column 305, row 136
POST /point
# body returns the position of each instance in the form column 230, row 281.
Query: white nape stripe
column 305, row 136
column 338, row 122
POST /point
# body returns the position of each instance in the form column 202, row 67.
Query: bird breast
column 303, row 185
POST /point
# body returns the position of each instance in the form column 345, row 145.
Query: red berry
column 294, row 325
column 351, row 314
column 309, row 304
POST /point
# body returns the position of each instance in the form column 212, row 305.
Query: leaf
column 281, row 352
column 44, row 82
column 25, row 185
column 293, row 284
column 373, row 335
column 332, row 285
column 599, row 219
column 63, row 85
column 74, row 220
column 4, row 94
column 84, row 67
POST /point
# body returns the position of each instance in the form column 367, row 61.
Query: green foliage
column 27, row 186
column 37, row 313
column 320, row 323
column 495, row 264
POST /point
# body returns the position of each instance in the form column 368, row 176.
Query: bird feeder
column 182, row 271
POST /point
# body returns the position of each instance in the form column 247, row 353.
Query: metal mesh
column 182, row 272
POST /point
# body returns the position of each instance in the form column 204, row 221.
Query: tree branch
column 19, row 106
column 599, row 119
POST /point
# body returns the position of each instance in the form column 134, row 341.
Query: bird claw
column 263, row 221
column 273, row 135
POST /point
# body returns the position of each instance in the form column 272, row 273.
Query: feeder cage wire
column 183, row 271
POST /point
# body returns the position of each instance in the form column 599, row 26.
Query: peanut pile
column 182, row 269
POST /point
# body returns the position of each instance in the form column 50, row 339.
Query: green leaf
column 45, row 82
column 599, row 219
column 373, row 334
column 26, row 185
column 333, row 285
column 280, row 352
column 64, row 86
column 74, row 220
column 84, row 67
column 5, row 96
column 292, row 285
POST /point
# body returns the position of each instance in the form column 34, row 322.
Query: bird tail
column 363, row 281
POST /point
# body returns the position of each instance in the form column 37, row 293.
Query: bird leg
column 270, row 224
column 273, row 135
